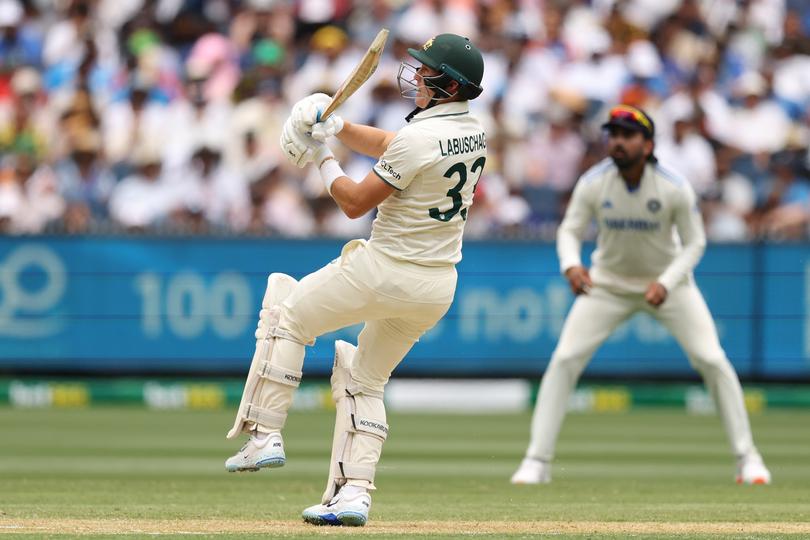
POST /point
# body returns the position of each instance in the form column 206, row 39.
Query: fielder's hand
column 579, row 279
column 297, row 147
column 656, row 294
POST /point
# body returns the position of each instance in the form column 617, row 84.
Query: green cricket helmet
column 457, row 59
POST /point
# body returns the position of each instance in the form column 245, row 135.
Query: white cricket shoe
column 751, row 470
column 257, row 454
column 341, row 510
column 532, row 471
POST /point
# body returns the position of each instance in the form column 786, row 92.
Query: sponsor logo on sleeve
column 384, row 165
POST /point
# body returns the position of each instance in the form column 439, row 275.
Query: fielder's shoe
column 341, row 510
column 751, row 470
column 257, row 454
column 532, row 471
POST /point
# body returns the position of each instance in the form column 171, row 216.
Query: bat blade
column 361, row 73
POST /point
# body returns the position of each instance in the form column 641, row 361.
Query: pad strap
column 264, row 417
column 279, row 374
column 356, row 471
column 353, row 388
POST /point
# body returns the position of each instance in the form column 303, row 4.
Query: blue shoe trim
column 318, row 519
column 271, row 462
column 329, row 519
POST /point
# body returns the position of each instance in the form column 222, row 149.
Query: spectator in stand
column 215, row 56
column 42, row 205
column 259, row 112
column 136, row 120
column 281, row 207
column 729, row 205
column 86, row 184
column 193, row 116
column 20, row 42
column 758, row 125
column 208, row 194
column 552, row 158
column 25, row 121
column 689, row 154
column 784, row 212
column 142, row 199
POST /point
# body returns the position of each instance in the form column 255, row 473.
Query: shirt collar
column 454, row 108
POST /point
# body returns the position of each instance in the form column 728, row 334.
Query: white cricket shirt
column 653, row 233
column 434, row 163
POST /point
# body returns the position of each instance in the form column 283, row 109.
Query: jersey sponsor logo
column 384, row 165
column 631, row 224
column 463, row 145
column 653, row 205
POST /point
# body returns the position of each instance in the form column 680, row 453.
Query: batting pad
column 275, row 371
column 360, row 426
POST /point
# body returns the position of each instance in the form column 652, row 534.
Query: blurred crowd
column 163, row 116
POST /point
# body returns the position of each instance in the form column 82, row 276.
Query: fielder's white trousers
column 592, row 319
column 398, row 301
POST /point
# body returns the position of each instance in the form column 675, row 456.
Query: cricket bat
column 361, row 73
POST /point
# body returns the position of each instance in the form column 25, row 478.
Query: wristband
column 330, row 171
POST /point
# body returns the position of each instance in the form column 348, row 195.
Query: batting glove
column 307, row 111
column 328, row 128
column 297, row 147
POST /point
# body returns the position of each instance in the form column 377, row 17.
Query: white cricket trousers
column 399, row 301
column 592, row 319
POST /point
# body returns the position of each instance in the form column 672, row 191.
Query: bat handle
column 326, row 113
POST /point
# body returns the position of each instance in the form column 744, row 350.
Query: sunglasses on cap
column 631, row 114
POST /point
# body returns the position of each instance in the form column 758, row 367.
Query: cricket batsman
column 399, row 283
column 650, row 239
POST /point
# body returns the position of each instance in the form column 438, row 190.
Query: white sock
column 261, row 437
column 353, row 491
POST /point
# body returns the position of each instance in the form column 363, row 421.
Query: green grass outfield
column 109, row 472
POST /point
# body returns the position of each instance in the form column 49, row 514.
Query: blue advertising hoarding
column 188, row 306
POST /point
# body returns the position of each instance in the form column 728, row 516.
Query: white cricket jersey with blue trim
column 652, row 233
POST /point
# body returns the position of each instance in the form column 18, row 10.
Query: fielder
column 639, row 265
column 400, row 282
